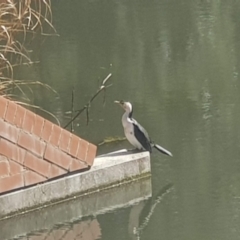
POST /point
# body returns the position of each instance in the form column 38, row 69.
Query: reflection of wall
column 84, row 230
column 72, row 217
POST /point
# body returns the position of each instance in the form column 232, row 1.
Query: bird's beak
column 119, row 103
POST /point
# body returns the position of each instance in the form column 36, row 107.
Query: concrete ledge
column 59, row 215
column 108, row 171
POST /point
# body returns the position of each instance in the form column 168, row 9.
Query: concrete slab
column 46, row 220
column 108, row 171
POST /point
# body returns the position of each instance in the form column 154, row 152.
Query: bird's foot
column 134, row 150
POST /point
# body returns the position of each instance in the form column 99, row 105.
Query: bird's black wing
column 141, row 135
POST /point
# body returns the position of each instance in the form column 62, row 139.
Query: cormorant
column 135, row 133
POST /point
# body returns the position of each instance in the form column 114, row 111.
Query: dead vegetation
column 20, row 22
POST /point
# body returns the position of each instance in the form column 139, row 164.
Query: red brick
column 11, row 111
column 12, row 151
column 82, row 150
column 73, row 146
column 38, row 165
column 57, row 157
column 77, row 165
column 3, row 106
column 91, row 154
column 15, row 168
column 4, row 168
column 8, row 131
column 6, row 148
column 19, row 116
column 32, row 178
column 56, row 171
column 18, row 155
column 55, row 136
column 38, row 126
column 28, row 121
column 31, row 143
column 11, row 182
column 47, row 130
column 65, row 140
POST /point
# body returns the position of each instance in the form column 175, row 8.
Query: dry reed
column 20, row 22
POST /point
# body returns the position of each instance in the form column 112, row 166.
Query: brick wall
column 33, row 150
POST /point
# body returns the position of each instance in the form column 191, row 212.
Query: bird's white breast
column 129, row 131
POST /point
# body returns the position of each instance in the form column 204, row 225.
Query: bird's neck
column 128, row 114
column 126, row 118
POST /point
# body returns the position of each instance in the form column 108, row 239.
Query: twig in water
column 165, row 190
column 72, row 109
column 103, row 87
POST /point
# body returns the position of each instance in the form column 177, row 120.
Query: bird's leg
column 134, row 150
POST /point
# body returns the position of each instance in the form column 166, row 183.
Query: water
column 178, row 63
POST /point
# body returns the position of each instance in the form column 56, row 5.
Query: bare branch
column 72, row 108
column 87, row 106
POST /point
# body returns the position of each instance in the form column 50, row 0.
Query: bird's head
column 127, row 106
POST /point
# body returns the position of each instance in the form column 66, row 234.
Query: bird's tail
column 162, row 150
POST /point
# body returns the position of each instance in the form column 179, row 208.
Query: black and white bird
column 135, row 133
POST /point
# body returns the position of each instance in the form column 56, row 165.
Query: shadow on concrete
column 121, row 153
